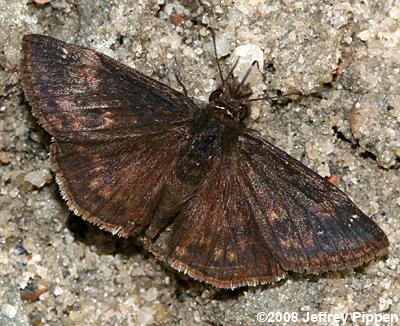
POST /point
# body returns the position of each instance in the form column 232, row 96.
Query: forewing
column 117, row 132
column 79, row 94
column 309, row 224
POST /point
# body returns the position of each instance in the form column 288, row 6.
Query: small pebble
column 245, row 55
column 9, row 310
column 39, row 178
column 5, row 157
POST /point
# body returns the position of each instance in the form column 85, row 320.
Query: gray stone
column 12, row 310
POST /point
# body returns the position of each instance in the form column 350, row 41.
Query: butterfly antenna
column 231, row 74
column 216, row 54
column 233, row 68
column 246, row 76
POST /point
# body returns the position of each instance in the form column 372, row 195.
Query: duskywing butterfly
column 206, row 195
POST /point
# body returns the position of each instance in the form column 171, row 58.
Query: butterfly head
column 231, row 98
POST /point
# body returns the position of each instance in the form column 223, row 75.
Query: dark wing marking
column 309, row 224
column 78, row 94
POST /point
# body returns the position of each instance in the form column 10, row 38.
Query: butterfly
column 204, row 194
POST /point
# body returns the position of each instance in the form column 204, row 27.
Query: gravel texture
column 344, row 56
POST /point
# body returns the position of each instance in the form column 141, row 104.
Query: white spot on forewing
column 65, row 53
column 246, row 54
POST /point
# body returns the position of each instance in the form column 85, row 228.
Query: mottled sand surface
column 70, row 273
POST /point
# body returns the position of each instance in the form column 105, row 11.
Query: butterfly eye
column 243, row 109
column 215, row 95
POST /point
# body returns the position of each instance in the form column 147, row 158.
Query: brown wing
column 259, row 213
column 81, row 95
column 309, row 224
column 117, row 132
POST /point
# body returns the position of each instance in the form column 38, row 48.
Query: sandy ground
column 70, row 273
